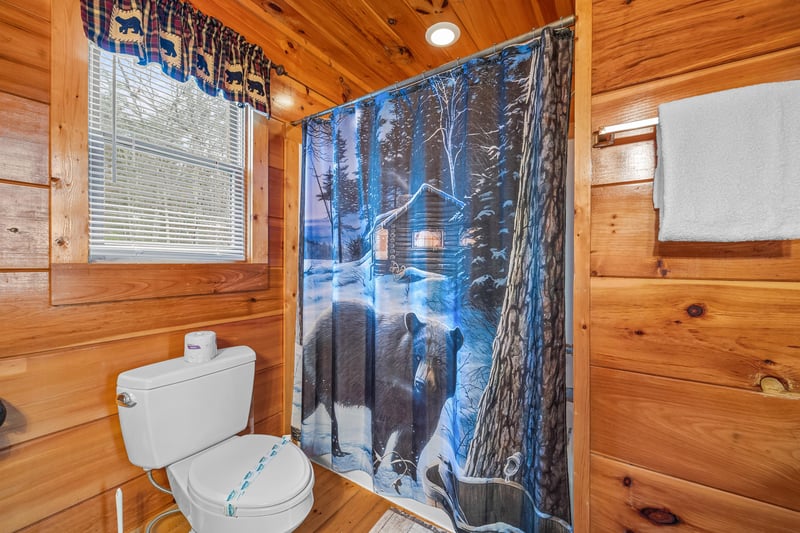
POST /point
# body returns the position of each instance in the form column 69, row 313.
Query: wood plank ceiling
column 337, row 50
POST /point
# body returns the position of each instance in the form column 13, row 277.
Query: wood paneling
column 61, row 453
column 635, row 102
column 97, row 283
column 260, row 334
column 25, row 45
column 733, row 440
column 624, row 496
column 625, row 244
column 624, row 162
column 581, row 291
column 98, row 514
column 259, row 191
column 636, row 42
column 292, row 150
column 69, row 122
column 332, row 54
column 271, row 425
column 277, row 176
column 23, row 140
column 268, row 395
column 301, row 58
column 343, row 52
column 38, row 8
column 346, row 24
column 24, row 229
column 59, row 362
column 24, row 81
column 291, row 100
column 59, row 389
column 412, row 20
column 26, row 306
column 47, row 475
column 682, row 333
column 726, row 333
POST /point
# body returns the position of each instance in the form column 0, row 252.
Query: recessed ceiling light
column 442, row 34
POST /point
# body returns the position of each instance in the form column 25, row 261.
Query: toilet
column 185, row 416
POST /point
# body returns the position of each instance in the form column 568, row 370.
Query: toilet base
column 285, row 522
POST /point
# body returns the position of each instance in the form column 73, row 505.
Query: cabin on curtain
column 423, row 232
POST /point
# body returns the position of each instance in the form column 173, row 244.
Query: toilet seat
column 285, row 481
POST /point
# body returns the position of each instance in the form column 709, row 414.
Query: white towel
column 729, row 165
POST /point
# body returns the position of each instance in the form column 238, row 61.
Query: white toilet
column 185, row 416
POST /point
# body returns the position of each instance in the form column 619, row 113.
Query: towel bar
column 604, row 136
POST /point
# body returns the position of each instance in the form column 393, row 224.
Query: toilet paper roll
column 200, row 346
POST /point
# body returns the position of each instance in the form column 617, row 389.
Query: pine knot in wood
column 695, row 310
column 661, row 517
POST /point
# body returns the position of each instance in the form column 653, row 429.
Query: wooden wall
column 682, row 436
column 61, row 452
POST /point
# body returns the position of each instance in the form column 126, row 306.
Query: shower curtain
column 430, row 347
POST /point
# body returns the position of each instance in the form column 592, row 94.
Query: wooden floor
column 339, row 506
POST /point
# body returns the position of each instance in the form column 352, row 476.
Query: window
column 382, row 244
column 167, row 168
column 428, row 238
column 73, row 278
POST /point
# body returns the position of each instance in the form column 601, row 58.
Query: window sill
column 96, row 283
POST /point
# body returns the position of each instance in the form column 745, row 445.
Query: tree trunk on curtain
column 528, row 352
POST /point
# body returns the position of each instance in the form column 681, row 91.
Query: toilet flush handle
column 126, row 399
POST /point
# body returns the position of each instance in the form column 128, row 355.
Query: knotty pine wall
column 682, row 333
column 61, row 451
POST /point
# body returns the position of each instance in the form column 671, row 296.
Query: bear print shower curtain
column 430, row 332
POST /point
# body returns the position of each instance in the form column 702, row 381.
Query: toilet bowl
column 185, row 417
column 278, row 500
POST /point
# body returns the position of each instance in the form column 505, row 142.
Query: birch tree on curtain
column 431, row 328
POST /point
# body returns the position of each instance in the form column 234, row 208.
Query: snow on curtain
column 187, row 44
column 430, row 345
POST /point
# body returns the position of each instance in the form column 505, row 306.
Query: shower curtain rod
column 560, row 23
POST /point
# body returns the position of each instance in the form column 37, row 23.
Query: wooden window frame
column 73, row 280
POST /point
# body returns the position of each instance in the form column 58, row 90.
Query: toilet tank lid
column 178, row 369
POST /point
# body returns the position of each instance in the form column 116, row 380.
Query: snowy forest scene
column 417, row 275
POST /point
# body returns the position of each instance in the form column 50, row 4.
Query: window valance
column 186, row 42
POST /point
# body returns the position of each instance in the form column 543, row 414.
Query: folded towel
column 729, row 165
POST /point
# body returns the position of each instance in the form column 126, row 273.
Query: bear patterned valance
column 186, row 42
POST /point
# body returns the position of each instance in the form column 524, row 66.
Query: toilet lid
column 284, row 479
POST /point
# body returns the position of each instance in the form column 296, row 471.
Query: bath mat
column 396, row 521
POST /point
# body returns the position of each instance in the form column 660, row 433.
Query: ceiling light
column 442, row 34
column 283, row 100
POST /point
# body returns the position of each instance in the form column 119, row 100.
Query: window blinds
column 166, row 167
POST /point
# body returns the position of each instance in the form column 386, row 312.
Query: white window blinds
column 166, row 167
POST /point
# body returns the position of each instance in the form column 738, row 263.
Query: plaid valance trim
column 187, row 44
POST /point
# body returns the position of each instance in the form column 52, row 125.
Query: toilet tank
column 179, row 408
